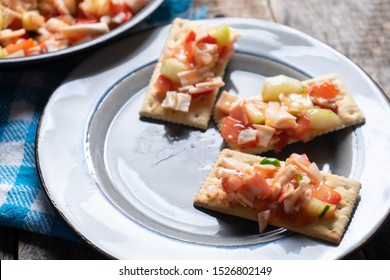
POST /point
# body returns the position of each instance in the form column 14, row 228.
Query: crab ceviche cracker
column 293, row 194
column 286, row 111
column 188, row 74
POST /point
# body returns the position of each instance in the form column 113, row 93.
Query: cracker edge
column 200, row 110
column 348, row 111
column 327, row 230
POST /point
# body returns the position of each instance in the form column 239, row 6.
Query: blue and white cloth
column 24, row 92
column 23, row 203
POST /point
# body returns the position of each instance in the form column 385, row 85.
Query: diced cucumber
column 170, row 67
column 274, row 86
column 323, row 119
column 255, row 115
column 221, row 34
column 319, row 209
column 3, row 52
column 1, row 19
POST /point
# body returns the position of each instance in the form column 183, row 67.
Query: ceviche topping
column 188, row 69
column 286, row 110
column 31, row 27
column 293, row 191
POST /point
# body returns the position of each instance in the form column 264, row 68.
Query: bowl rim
column 150, row 7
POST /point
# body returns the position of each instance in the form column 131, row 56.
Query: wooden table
column 358, row 29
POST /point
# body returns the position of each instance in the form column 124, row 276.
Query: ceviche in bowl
column 35, row 29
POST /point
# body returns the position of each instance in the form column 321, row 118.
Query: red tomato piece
column 21, row 45
column 301, row 131
column 163, row 84
column 188, row 46
column 323, row 89
column 251, row 144
column 190, row 37
column 282, row 142
column 16, row 23
column 117, row 8
column 231, row 128
column 208, row 40
column 325, row 193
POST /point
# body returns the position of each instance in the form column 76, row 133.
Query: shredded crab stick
column 293, row 193
column 286, row 111
column 187, row 68
column 293, row 190
column 189, row 73
column 31, row 27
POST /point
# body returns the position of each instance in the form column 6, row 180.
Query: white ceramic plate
column 126, row 184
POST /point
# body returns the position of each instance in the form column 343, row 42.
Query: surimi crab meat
column 292, row 194
column 192, row 62
column 188, row 67
column 286, row 111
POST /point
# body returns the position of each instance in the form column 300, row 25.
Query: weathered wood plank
column 358, row 29
column 232, row 8
column 39, row 247
column 361, row 31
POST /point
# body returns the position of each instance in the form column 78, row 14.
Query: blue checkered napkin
column 23, row 95
column 23, row 203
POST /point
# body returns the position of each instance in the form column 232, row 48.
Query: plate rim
column 244, row 20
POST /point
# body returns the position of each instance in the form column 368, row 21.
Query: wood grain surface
column 358, row 29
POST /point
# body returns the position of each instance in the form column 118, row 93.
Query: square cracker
column 330, row 230
column 348, row 111
column 201, row 107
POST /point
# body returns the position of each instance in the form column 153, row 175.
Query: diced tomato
column 323, row 89
column 208, row 40
column 12, row 48
column 282, row 142
column 325, row 193
column 190, row 37
column 222, row 52
column 21, row 45
column 251, row 144
column 188, row 46
column 301, row 131
column 16, row 23
column 163, row 84
column 117, row 8
column 231, row 128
